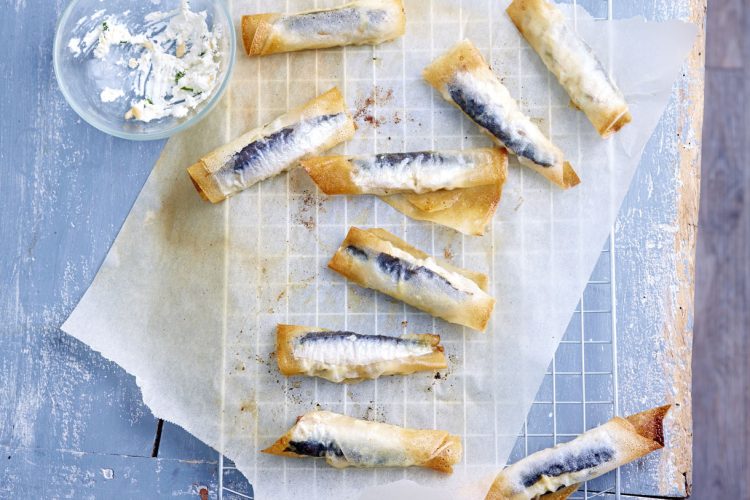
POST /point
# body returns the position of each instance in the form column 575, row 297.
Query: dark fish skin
column 403, row 271
column 314, row 448
column 331, row 335
column 357, row 253
column 387, row 160
column 478, row 112
column 255, row 151
column 325, row 21
column 571, row 463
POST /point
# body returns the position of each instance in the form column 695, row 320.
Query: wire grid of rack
column 580, row 388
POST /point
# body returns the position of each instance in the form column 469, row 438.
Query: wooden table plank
column 64, row 192
column 722, row 347
column 654, row 252
column 65, row 474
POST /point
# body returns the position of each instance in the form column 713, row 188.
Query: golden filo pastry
column 463, row 78
column 341, row 356
column 573, row 63
column 316, row 126
column 375, row 258
column 362, row 22
column 555, row 473
column 414, row 172
column 468, row 210
column 349, row 442
column 457, row 189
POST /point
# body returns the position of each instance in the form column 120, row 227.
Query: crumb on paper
column 365, row 111
column 107, row 473
column 305, row 215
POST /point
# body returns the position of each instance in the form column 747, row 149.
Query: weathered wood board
column 67, row 416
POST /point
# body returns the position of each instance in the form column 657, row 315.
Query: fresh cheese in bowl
column 144, row 71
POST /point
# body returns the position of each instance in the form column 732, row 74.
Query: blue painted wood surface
column 67, row 416
column 65, row 189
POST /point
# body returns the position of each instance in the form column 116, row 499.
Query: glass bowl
column 83, row 78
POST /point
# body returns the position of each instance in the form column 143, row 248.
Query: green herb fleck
column 148, row 100
column 187, row 89
column 202, row 54
column 105, row 26
column 179, row 75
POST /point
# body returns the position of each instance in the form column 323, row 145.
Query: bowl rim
column 151, row 136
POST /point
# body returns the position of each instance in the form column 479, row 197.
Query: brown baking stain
column 448, row 253
column 675, row 467
column 249, row 407
column 365, row 107
column 203, row 492
column 305, row 216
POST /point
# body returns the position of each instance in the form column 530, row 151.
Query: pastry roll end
column 205, row 183
column 447, row 454
column 615, row 124
column 649, row 424
column 569, row 177
column 256, row 31
column 332, row 174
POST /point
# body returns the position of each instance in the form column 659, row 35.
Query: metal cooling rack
column 580, row 389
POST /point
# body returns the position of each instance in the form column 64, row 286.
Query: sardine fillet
column 573, row 63
column 350, row 357
column 348, row 442
column 463, row 78
column 554, row 473
column 377, row 259
column 362, row 22
column 316, row 126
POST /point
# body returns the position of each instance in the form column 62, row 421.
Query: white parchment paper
column 189, row 295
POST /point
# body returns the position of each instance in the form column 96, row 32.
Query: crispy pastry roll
column 376, row 259
column 352, row 357
column 464, row 78
column 573, row 63
column 468, row 211
column 419, row 172
column 555, row 472
column 458, row 189
column 317, row 126
column 348, row 442
column 362, row 22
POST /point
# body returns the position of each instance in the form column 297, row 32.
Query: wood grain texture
column 722, row 348
column 726, row 23
column 65, row 189
column 66, row 413
column 676, row 465
column 654, row 251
